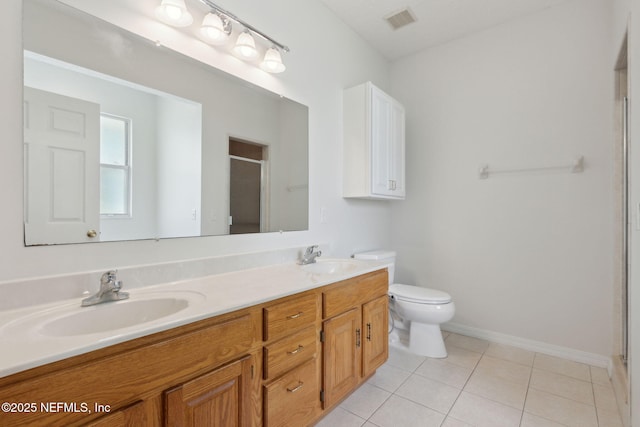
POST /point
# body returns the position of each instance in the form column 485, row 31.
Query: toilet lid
column 418, row 294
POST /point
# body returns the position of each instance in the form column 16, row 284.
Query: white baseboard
column 531, row 345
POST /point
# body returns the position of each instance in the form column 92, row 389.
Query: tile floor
column 480, row 384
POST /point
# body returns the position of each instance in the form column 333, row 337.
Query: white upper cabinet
column 374, row 153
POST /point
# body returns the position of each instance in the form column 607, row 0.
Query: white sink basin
column 69, row 320
column 330, row 266
column 112, row 315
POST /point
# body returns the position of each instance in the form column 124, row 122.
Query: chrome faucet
column 109, row 290
column 310, row 256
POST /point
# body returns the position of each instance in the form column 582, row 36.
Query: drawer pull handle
column 368, row 331
column 296, row 388
column 297, row 350
column 295, row 316
column 358, row 337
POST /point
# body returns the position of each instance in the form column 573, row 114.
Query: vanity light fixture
column 272, row 62
column 174, row 12
column 245, row 46
column 216, row 28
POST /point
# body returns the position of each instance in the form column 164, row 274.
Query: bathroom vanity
column 284, row 360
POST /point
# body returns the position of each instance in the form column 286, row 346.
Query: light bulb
column 174, row 12
column 213, row 29
column 272, row 62
column 245, row 46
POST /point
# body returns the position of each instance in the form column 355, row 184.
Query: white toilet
column 420, row 310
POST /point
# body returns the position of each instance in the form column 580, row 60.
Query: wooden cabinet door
column 131, row 416
column 375, row 342
column 219, row 398
column 342, row 353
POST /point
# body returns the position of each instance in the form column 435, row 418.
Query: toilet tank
column 380, row 255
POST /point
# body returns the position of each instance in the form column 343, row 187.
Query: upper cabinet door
column 374, row 144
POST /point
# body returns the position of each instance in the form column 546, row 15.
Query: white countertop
column 26, row 345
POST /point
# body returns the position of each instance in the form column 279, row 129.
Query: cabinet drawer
column 351, row 293
column 289, row 352
column 289, row 316
column 294, row 399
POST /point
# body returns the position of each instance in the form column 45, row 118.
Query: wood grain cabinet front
column 355, row 332
column 291, row 367
column 134, row 415
column 289, row 316
column 118, row 376
column 289, row 352
column 293, row 399
column 219, row 398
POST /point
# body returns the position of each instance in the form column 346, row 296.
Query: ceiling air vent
column 401, row 18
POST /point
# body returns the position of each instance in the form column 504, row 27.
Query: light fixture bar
column 249, row 27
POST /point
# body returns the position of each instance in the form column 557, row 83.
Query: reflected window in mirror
column 115, row 166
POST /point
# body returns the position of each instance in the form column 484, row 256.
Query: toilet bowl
column 420, row 310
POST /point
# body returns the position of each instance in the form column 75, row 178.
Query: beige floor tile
column 609, row 418
column 389, row 378
column 429, row 393
column 512, row 354
column 562, row 366
column 404, row 360
column 462, row 357
column 599, row 375
column 561, row 385
column 605, row 397
column 341, row 418
column 530, row 420
column 445, row 372
column 398, row 411
column 468, row 343
column 481, row 412
column 365, row 400
column 503, row 369
column 452, row 422
column 480, row 384
column 497, row 389
column 560, row 409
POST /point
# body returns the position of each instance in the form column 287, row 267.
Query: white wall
column 325, row 58
column 528, row 254
column 179, row 166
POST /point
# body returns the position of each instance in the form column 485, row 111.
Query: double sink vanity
column 279, row 345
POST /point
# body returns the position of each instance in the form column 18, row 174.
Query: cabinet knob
column 92, row 233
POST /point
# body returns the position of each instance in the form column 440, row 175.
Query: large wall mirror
column 128, row 140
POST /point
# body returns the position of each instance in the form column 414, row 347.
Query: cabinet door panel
column 132, row 416
column 341, row 355
column 381, row 143
column 216, row 399
column 375, row 344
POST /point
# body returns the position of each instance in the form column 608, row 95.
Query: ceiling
column 437, row 21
